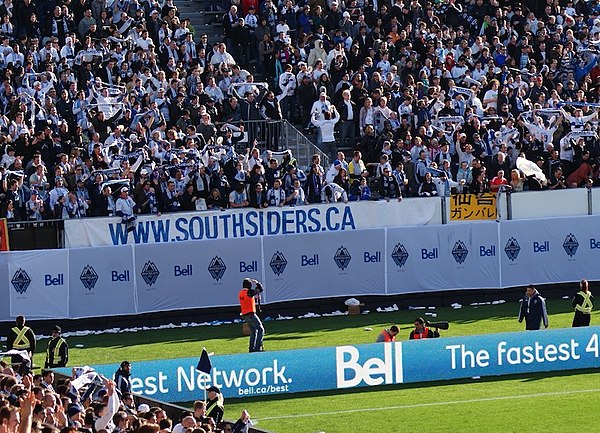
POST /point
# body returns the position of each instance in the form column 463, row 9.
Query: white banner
column 325, row 265
column 39, row 283
column 596, row 201
column 248, row 223
column 558, row 203
column 102, row 281
column 190, row 275
column 129, row 279
column 451, row 257
column 4, row 294
column 551, row 250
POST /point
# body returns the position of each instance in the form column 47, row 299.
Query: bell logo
column 350, row 372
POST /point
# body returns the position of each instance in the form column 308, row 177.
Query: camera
column 438, row 325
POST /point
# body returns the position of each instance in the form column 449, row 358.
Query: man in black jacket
column 123, row 378
column 57, row 354
column 533, row 309
column 348, row 115
column 21, row 337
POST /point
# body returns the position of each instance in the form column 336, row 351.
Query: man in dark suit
column 258, row 197
column 348, row 116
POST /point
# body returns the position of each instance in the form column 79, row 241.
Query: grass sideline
column 294, row 334
column 554, row 402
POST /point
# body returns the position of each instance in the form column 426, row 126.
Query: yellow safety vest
column 212, row 407
column 21, row 342
column 586, row 306
column 56, row 352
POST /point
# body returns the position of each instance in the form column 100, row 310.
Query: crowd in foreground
column 88, row 402
column 36, row 403
column 120, row 108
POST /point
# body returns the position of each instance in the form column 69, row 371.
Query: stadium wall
column 149, row 278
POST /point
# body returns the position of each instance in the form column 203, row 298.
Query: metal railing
column 278, row 135
column 302, row 148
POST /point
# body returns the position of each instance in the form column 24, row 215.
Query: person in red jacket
column 581, row 176
column 421, row 331
column 388, row 335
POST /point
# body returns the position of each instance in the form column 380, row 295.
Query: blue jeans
column 257, row 331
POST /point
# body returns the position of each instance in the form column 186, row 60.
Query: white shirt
column 327, row 126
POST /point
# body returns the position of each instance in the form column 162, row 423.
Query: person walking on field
column 533, row 309
column 583, row 302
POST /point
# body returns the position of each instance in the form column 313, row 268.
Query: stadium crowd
column 121, row 108
column 37, row 403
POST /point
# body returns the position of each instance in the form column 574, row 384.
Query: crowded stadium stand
column 135, row 110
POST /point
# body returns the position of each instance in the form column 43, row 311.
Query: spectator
column 276, row 194
column 427, row 187
column 123, row 378
column 326, row 126
column 126, row 208
column 333, row 193
column 215, row 201
column 258, row 197
column 297, row 197
column 388, row 186
column 498, row 181
column 238, row 197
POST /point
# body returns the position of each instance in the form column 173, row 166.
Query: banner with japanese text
column 469, row 207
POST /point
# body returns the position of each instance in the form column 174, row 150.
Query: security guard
column 421, row 331
column 57, row 354
column 583, row 302
column 21, row 337
column 214, row 404
column 251, row 290
column 388, row 335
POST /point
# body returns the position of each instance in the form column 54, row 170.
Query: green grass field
column 556, row 402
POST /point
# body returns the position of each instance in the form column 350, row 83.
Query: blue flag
column 204, row 364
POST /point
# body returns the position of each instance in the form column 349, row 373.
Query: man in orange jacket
column 251, row 290
column 388, row 335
